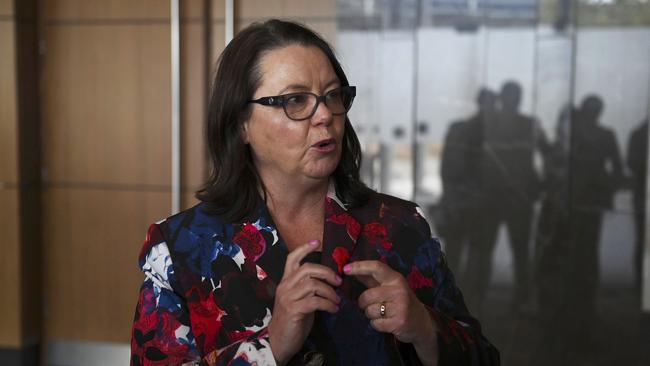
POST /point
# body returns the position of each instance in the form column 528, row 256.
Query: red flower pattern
column 153, row 238
column 148, row 319
column 352, row 226
column 416, row 280
column 376, row 234
column 206, row 319
column 341, row 256
column 251, row 241
column 164, row 345
column 237, row 336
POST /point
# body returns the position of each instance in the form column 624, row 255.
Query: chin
column 321, row 175
column 322, row 172
column 322, row 169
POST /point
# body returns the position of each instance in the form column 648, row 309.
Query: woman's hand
column 392, row 307
column 303, row 290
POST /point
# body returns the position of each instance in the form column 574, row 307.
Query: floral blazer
column 209, row 288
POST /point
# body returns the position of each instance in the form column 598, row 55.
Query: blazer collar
column 340, row 233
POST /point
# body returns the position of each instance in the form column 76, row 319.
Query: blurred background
column 519, row 126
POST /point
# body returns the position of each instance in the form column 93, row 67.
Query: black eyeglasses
column 301, row 106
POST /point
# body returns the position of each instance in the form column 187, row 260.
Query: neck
column 290, row 199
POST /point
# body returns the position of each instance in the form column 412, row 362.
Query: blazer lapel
column 340, row 234
column 274, row 253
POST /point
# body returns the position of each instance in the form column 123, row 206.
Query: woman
column 290, row 259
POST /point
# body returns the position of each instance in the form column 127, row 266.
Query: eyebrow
column 302, row 87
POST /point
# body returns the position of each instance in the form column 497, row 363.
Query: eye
column 296, row 99
column 334, row 94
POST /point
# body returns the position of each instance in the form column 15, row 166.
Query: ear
column 243, row 132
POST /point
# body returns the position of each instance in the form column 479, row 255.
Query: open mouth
column 325, row 144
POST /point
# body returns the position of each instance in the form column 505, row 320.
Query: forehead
column 295, row 65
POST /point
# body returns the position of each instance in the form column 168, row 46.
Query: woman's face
column 285, row 150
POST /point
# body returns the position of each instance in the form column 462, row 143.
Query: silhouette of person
column 552, row 243
column 595, row 174
column 510, row 186
column 552, row 226
column 637, row 161
column 459, row 171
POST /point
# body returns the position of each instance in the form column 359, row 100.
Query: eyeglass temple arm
column 268, row 100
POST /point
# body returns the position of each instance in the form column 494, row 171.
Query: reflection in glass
column 520, row 127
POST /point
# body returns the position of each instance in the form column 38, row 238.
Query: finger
column 310, row 288
column 314, row 303
column 319, row 271
column 377, row 270
column 383, row 325
column 373, row 311
column 367, row 281
column 296, row 255
column 375, row 295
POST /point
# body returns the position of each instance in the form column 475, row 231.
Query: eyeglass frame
column 281, row 100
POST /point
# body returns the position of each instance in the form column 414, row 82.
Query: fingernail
column 338, row 279
column 347, row 268
column 313, row 243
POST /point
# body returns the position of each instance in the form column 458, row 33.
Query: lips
column 326, row 145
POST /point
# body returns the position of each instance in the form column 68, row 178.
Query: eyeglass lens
column 303, row 105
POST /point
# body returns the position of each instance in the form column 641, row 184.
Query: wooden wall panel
column 8, row 106
column 93, row 241
column 194, row 9
column 218, row 44
column 310, row 9
column 29, row 167
column 106, row 104
column 6, row 7
column 193, row 78
column 10, row 324
column 188, row 200
column 247, row 9
column 31, row 263
column 76, row 10
column 318, row 15
column 326, row 28
column 106, row 120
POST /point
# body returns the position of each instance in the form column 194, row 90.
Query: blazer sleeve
column 161, row 332
column 165, row 333
column 460, row 339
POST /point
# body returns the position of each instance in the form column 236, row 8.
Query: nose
column 323, row 115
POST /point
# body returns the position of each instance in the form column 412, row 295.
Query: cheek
column 276, row 138
column 290, row 135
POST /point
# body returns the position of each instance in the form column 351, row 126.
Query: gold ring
column 382, row 309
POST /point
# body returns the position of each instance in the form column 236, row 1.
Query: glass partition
column 520, row 126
